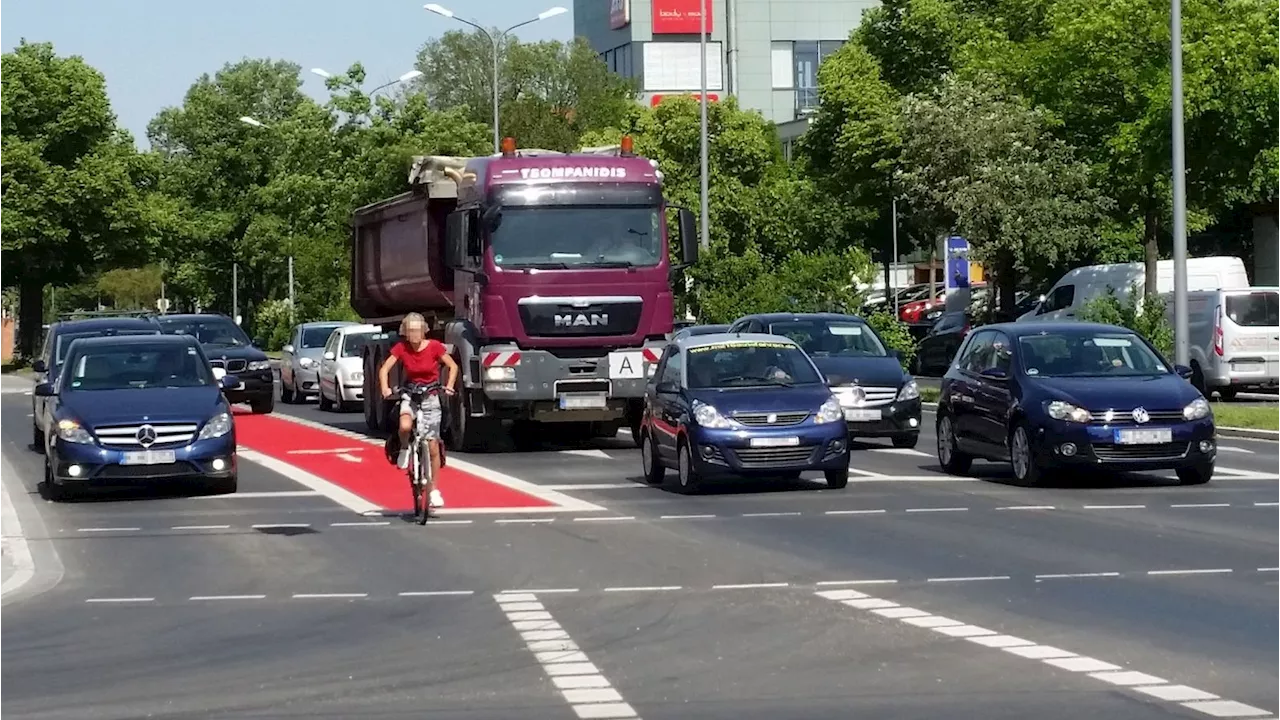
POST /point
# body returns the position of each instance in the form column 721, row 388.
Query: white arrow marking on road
column 598, row 454
column 1229, row 448
column 326, row 451
column 349, row 457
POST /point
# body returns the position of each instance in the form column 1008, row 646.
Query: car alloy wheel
column 946, row 441
column 685, row 469
column 1020, row 454
column 646, row 457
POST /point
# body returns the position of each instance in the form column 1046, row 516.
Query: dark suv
column 229, row 348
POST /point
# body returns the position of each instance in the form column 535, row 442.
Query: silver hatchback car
column 300, row 360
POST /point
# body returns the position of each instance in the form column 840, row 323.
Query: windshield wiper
column 763, row 381
column 539, row 266
column 609, row 264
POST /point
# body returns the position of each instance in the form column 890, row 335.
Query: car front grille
column 759, row 419
column 1163, row 451
column 138, row 472
column 1125, row 417
column 166, row 435
column 231, row 366
column 764, row 458
column 872, row 396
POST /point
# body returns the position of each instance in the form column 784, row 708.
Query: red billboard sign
column 680, row 17
column 653, row 101
column 619, row 13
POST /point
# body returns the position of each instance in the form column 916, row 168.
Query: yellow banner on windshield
column 742, row 344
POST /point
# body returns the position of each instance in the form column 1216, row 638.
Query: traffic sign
column 162, row 304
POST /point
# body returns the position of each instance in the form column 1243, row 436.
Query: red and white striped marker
column 651, row 355
column 501, row 359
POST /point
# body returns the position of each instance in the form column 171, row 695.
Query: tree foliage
column 1144, row 316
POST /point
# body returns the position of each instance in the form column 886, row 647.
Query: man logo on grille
column 1140, row 415
column 146, row 436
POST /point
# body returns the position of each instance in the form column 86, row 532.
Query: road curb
column 39, row 568
column 1248, row 433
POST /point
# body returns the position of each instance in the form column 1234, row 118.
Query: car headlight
column 260, row 365
column 1059, row 410
column 829, row 412
column 305, row 363
column 499, row 374
column 71, row 431
column 709, row 417
column 1197, row 409
column 910, row 391
column 217, row 426
column 355, row 376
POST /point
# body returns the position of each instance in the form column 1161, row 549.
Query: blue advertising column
column 957, row 276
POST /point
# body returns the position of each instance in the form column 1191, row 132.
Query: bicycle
column 417, row 395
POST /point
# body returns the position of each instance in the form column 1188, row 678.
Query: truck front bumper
column 541, row 385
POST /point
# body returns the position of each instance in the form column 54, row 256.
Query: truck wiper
column 609, row 264
column 539, row 266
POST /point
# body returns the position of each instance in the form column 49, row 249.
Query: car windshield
column 1256, row 309
column 125, row 366
column 316, row 337
column 831, row 338
column 749, row 364
column 351, row 344
column 563, row 237
column 220, row 332
column 64, row 341
column 1103, row 354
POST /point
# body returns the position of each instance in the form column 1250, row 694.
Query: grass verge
column 929, row 394
column 1234, row 415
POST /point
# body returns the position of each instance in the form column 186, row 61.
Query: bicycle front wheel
column 421, row 500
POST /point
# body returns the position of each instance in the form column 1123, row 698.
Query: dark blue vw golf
column 1050, row 396
column 740, row 405
column 138, row 408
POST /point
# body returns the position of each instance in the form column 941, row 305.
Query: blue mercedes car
column 138, row 408
column 1048, row 397
column 740, row 405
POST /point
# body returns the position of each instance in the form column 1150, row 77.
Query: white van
column 1235, row 339
column 1070, row 294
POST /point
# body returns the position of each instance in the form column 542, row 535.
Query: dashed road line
column 1027, row 507
column 200, row 527
column 227, row 597
column 1206, row 571
column 749, row 586
column 1066, row 576
column 937, row 509
column 1265, row 504
column 1115, row 507
column 976, row 578
column 618, row 518
column 1200, row 505
column 436, row 593
column 107, row 529
column 583, row 686
column 645, row 588
column 120, row 600
column 685, row 517
column 855, row 512
column 1149, row 685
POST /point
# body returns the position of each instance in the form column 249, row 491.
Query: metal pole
column 496, row 142
column 292, row 317
column 235, row 293
column 893, row 279
column 1182, row 342
column 706, row 205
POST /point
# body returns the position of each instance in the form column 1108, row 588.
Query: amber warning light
column 508, row 147
column 627, row 147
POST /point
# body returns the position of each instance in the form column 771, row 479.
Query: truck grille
column 1164, row 451
column 1125, row 417
column 165, row 434
column 759, row 419
column 588, row 317
column 871, row 396
column 765, row 458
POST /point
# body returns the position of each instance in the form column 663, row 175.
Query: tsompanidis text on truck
column 549, row 275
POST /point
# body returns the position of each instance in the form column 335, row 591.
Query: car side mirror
column 288, row 349
column 995, row 374
column 45, row 389
column 328, row 355
column 229, row 382
column 1183, row 371
column 667, row 386
column 39, row 366
column 219, row 373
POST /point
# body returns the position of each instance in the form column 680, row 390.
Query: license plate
column 149, row 457
column 769, row 442
column 861, row 414
column 583, row 402
column 1156, row 436
column 1247, row 367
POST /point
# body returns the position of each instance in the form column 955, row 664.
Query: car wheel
column 52, row 491
column 224, row 486
column 37, row 438
column 262, row 406
column 906, row 441
column 687, row 480
column 653, row 469
column 1196, row 475
column 287, row 395
column 950, row 458
column 324, row 401
column 837, row 479
column 1227, row 393
column 1025, row 468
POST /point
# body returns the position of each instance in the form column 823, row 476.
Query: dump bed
column 397, row 247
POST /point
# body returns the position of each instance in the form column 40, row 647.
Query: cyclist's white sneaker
column 402, row 461
column 437, row 500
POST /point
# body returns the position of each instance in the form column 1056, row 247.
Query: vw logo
column 772, row 418
column 1140, row 415
column 146, row 436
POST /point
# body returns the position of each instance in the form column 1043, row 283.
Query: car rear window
column 64, row 341
column 1257, row 309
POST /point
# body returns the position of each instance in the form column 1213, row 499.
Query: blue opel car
column 138, row 408
column 1054, row 396
column 740, row 405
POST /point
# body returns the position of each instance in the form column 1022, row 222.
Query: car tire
column 324, row 403
column 287, row 394
column 952, row 460
column 224, row 486
column 654, row 472
column 1196, row 475
column 263, row 406
column 37, row 438
column 52, row 491
column 1025, row 469
column 1227, row 393
column 837, row 479
column 686, row 480
column 906, row 441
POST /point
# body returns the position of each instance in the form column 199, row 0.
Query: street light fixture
column 495, row 41
column 412, row 74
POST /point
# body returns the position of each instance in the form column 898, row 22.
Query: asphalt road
column 906, row 595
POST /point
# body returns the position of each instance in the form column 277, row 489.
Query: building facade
column 764, row 52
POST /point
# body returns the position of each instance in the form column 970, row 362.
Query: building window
column 783, row 65
column 807, row 56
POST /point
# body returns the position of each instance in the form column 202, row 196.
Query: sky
column 151, row 51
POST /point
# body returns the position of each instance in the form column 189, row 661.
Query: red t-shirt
column 420, row 366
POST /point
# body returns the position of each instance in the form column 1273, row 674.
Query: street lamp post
column 495, row 41
column 412, row 74
column 702, row 127
column 1181, row 330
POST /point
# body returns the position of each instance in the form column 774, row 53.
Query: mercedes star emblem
column 1140, row 415
column 146, row 436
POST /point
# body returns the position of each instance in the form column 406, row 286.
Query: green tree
column 1145, row 316
column 131, row 288
column 75, row 189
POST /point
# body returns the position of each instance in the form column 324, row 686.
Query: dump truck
column 549, row 277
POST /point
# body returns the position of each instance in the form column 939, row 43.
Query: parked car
column 1048, row 397
column 1235, row 339
column 1077, row 287
column 227, row 347
column 57, row 339
column 740, row 405
column 300, row 359
column 138, row 408
column 938, row 348
column 341, row 373
column 879, row 399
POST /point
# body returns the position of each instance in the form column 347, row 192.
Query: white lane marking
column 200, row 527
column 326, row 451
column 770, row 514
column 856, row 582
column 1234, row 449
column 261, row 494
column 595, row 454
column 1027, row 507
column 617, row 518
column 1176, row 693
column 452, row 522
column 1128, row 677
column 364, row 523
column 227, row 597
column 968, row 579
column 1056, row 576
column 1001, row 641
column 1265, row 504
column 900, row 612
column 1081, row 664
column 338, row 494
column 328, row 596
column 855, row 512
column 534, row 592
column 121, row 600
column 1227, row 709
column 1207, row 571
column 749, row 586
column 349, row 457
column 1200, row 505
column 931, row 621
column 581, row 683
column 108, row 529
column 645, row 588
column 526, row 521
column 900, row 451
column 964, row 631
column 865, row 473
column 436, row 593
column 937, row 509
column 1040, row 652
column 273, row 526
column 842, row 595
column 685, row 517
column 594, row 486
column 1268, row 569
column 1115, row 507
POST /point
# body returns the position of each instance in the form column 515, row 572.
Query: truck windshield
column 565, row 237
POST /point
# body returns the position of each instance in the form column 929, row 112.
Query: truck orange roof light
column 508, row 147
column 626, row 148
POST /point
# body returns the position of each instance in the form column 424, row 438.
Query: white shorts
column 430, row 414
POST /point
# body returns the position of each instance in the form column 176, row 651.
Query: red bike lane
column 360, row 467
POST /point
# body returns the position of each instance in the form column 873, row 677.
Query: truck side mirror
column 471, row 233
column 456, row 232
column 688, row 237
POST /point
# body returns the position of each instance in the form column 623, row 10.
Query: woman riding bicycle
column 421, row 358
